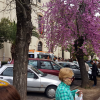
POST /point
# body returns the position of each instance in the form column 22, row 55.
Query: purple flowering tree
column 73, row 21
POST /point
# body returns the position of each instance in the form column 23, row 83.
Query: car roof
column 67, row 62
column 11, row 65
column 39, row 59
column 12, row 62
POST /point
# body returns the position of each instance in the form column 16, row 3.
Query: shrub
column 3, row 62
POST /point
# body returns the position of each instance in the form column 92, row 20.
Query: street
column 42, row 96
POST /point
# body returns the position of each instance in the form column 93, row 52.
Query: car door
column 46, row 67
column 56, row 68
column 7, row 74
column 76, row 71
column 33, row 81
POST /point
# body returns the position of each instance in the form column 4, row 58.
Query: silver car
column 37, row 81
column 73, row 66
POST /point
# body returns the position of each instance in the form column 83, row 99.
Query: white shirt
column 9, row 62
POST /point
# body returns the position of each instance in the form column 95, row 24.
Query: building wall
column 11, row 14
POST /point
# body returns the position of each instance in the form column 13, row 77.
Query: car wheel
column 50, row 91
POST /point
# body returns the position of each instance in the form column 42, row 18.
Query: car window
column 64, row 64
column 8, row 72
column 56, row 66
column 37, row 71
column 31, row 55
column 45, row 65
column 60, row 64
column 30, row 74
column 73, row 67
column 33, row 63
column 90, row 65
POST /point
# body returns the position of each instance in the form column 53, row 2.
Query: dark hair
column 9, row 93
column 10, row 58
column 91, row 61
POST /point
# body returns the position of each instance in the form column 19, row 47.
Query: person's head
column 8, row 93
column 9, row 59
column 91, row 62
column 66, row 75
column 58, row 59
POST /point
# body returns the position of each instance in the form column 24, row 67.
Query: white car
column 37, row 81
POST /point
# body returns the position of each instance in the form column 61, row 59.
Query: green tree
column 34, row 33
column 4, row 30
column 8, row 31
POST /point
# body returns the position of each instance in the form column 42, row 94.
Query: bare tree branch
column 6, row 6
column 24, row 12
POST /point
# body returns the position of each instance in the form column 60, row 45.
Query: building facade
column 8, row 10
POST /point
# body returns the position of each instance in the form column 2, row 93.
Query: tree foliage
column 75, row 22
column 34, row 33
column 4, row 30
column 73, row 19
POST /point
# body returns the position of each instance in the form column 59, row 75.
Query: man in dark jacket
column 94, row 72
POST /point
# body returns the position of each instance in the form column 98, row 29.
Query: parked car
column 45, row 65
column 88, row 62
column 4, row 82
column 74, row 67
column 37, row 81
column 90, row 65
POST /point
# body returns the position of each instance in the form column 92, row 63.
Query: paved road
column 41, row 96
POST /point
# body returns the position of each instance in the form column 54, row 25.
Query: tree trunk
column 13, row 51
column 84, row 73
column 92, row 57
column 70, row 55
column 23, row 38
column 62, row 52
column 80, row 57
column 51, row 50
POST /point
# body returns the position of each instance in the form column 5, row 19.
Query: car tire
column 50, row 91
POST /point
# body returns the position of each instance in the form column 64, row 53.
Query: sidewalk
column 92, row 93
column 98, row 98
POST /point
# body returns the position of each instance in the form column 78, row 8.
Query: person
column 94, row 72
column 9, row 93
column 98, row 66
column 63, row 91
column 56, row 60
column 87, row 67
column 0, row 63
column 9, row 60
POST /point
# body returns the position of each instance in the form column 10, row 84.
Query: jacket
column 94, row 69
column 63, row 92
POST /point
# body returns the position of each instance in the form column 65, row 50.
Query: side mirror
column 35, row 76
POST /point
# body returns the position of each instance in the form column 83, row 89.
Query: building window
column 40, row 24
column 40, row 46
column 39, row 1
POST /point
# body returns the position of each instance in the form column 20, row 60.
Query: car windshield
column 38, row 71
column 64, row 64
column 45, row 56
column 90, row 65
column 57, row 64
